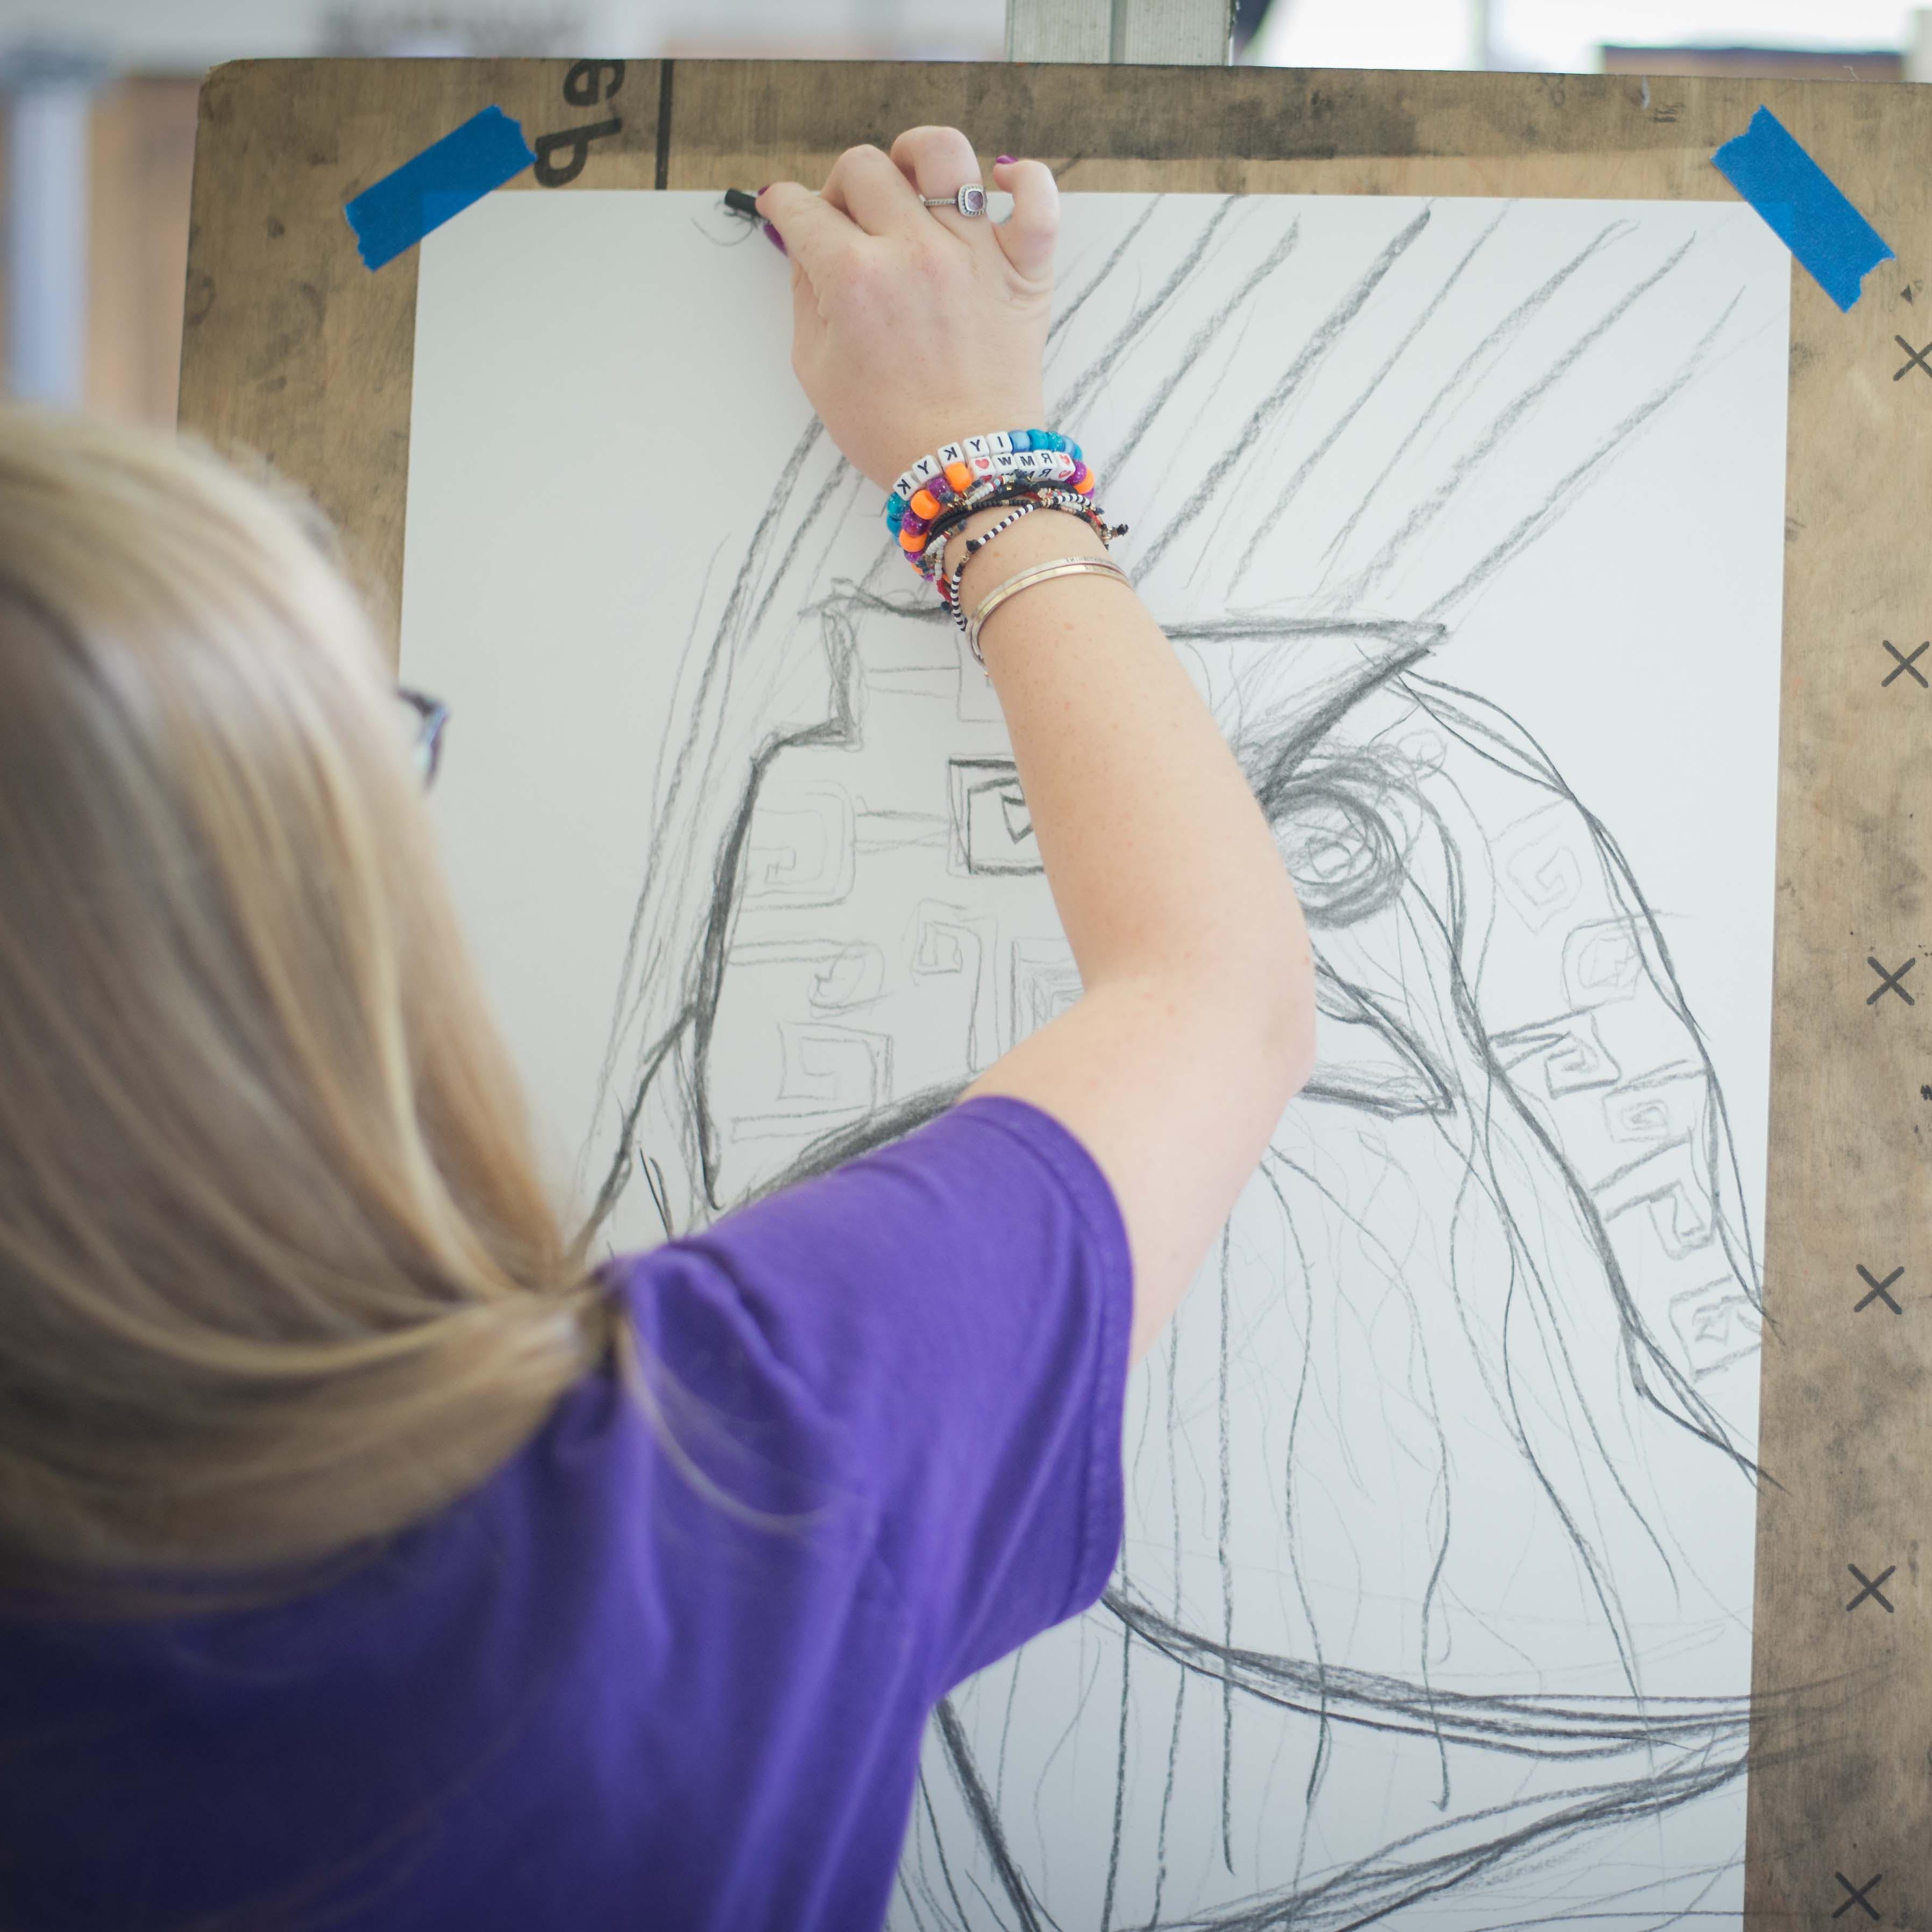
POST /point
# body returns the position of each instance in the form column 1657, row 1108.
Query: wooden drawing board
column 294, row 351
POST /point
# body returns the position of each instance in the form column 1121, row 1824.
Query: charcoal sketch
column 1434, row 1605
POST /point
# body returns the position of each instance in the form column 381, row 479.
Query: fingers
column 817, row 237
column 864, row 184
column 1029, row 234
column 822, row 243
column 936, row 161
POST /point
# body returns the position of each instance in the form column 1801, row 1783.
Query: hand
column 914, row 326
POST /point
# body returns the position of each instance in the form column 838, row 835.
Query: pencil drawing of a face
column 1421, row 1613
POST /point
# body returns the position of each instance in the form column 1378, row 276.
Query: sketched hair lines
column 1515, row 1147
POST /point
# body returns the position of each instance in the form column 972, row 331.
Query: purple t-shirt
column 607, row 1691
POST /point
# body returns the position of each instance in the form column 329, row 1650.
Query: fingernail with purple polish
column 777, row 240
column 1004, row 160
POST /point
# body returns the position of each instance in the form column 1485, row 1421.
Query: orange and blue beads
column 982, row 469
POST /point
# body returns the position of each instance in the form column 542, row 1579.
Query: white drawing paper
column 1434, row 1606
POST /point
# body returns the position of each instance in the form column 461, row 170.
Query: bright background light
column 1558, row 36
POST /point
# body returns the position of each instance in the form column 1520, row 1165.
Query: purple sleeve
column 940, row 1327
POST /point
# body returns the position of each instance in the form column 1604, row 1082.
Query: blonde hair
column 278, row 1275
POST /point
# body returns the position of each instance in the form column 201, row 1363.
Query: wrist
column 1039, row 538
column 954, row 428
column 956, row 425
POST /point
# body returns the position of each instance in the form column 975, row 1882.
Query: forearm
column 1162, row 868
column 1196, row 1021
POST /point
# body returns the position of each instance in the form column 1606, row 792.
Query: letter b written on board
column 591, row 83
column 561, row 156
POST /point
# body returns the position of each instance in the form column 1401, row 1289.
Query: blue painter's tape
column 442, row 181
column 1803, row 205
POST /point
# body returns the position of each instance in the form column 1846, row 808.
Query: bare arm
column 1196, row 1022
column 1196, row 1025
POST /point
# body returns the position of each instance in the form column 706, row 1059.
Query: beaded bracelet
column 1000, row 442
column 1049, row 496
column 988, row 494
column 940, row 498
column 953, row 476
column 993, row 493
column 1045, row 465
column 948, row 582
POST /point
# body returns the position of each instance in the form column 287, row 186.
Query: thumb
column 1029, row 234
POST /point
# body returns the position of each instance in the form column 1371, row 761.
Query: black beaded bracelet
column 948, row 581
column 1049, row 497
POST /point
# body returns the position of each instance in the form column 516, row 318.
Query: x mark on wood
column 1917, row 355
column 1878, row 1291
column 1907, row 664
column 1858, row 1892
column 1888, row 982
column 1871, row 1587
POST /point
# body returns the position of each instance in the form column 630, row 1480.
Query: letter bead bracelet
column 1037, row 455
column 942, row 490
column 1019, row 471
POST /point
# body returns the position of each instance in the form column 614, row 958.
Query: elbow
column 1299, row 1061
column 1284, row 975
column 1288, row 1026
column 1273, row 995
column 1291, row 1017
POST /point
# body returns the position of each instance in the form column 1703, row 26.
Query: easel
column 295, row 350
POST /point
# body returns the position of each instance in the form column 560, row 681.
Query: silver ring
column 971, row 200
